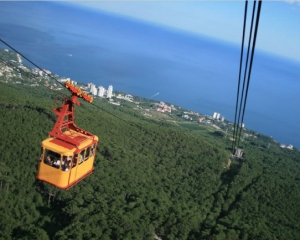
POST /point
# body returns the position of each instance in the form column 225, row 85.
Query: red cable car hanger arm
column 65, row 116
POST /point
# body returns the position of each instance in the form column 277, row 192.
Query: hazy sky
column 279, row 28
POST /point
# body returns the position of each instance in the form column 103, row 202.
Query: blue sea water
column 195, row 72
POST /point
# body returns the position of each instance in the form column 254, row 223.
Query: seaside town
column 15, row 71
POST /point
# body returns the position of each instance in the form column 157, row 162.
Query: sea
column 195, row 72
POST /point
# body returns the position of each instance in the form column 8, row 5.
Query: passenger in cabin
column 68, row 163
column 56, row 163
column 66, row 166
column 80, row 158
column 48, row 160
column 74, row 162
column 63, row 164
column 92, row 152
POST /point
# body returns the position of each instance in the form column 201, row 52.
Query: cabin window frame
column 52, row 156
column 92, row 152
column 87, row 153
column 80, row 156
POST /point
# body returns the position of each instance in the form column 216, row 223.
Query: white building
column 47, row 71
column 216, row 115
column 64, row 79
column 19, row 58
column 128, row 97
column 109, row 91
column 290, row 147
column 101, row 91
column 93, row 89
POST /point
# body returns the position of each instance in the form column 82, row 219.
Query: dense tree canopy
column 151, row 178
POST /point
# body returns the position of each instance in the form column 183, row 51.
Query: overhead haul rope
column 49, row 75
column 251, row 59
column 239, row 124
column 240, row 70
column 243, row 100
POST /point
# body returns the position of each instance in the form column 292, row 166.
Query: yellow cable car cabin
column 63, row 164
column 68, row 153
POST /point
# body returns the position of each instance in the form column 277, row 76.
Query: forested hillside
column 151, row 179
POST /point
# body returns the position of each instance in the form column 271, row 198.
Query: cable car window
column 87, row 153
column 66, row 164
column 52, row 158
column 74, row 160
column 92, row 150
column 80, row 157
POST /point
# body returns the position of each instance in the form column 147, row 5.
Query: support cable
column 240, row 70
column 49, row 75
column 241, row 104
column 239, row 123
column 252, row 56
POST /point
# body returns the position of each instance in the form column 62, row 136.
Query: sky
column 279, row 26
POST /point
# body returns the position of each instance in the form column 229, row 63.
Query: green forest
column 152, row 179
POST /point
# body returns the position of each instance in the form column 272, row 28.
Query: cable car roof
column 60, row 146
